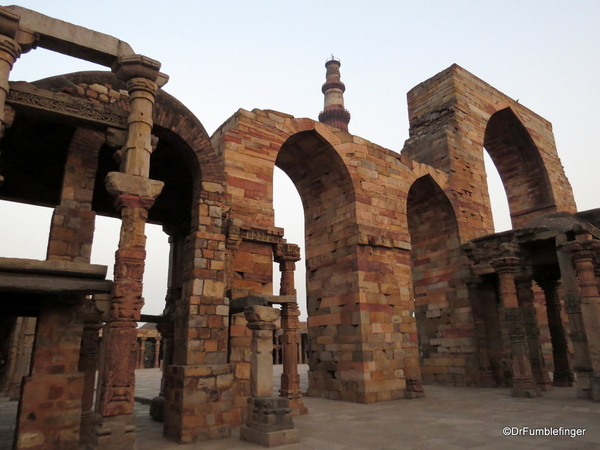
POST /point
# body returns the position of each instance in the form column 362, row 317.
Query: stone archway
column 521, row 168
column 438, row 292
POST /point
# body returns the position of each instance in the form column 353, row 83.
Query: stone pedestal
column 268, row 419
column 269, row 422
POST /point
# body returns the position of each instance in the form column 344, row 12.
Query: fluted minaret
column 334, row 113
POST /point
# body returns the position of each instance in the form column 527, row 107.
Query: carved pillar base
column 115, row 433
column 293, row 394
column 269, row 422
column 487, row 379
column 563, row 379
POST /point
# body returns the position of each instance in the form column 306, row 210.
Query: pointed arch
column 520, row 165
column 328, row 195
column 436, row 275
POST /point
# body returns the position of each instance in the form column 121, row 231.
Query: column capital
column 261, row 317
column 119, row 184
column 505, row 264
column 583, row 249
column 10, row 50
column 10, row 28
column 130, row 67
column 286, row 253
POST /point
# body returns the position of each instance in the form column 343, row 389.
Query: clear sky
column 224, row 55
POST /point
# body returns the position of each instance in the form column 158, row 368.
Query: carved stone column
column 13, row 42
column 268, row 419
column 563, row 373
column 485, row 368
column 135, row 194
column 157, row 352
column 287, row 255
column 522, row 376
column 532, row 332
column 583, row 260
column 88, row 365
column 142, row 353
column 157, row 406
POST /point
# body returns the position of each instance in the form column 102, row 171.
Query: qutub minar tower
column 334, row 113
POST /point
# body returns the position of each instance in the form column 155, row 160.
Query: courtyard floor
column 447, row 418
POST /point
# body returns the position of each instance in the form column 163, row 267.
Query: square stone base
column 270, row 438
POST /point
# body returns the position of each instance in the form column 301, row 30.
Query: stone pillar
column 520, row 366
column 142, row 353
column 50, row 405
column 157, row 352
column 287, row 255
column 583, row 260
column 135, row 194
column 268, row 419
column 88, row 365
column 563, row 372
column 485, row 368
column 13, row 42
column 157, row 406
column 20, row 360
column 532, row 332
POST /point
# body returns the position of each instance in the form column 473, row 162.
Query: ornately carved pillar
column 563, row 373
column 14, row 41
column 135, row 194
column 583, row 260
column 287, row 255
column 532, row 332
column 523, row 383
column 88, row 365
column 157, row 352
column 485, row 368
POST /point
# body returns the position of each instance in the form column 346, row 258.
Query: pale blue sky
column 223, row 55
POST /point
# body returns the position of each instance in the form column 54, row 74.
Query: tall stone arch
column 363, row 343
column 442, row 309
column 520, row 165
column 453, row 116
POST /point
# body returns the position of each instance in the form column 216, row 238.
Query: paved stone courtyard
column 447, row 418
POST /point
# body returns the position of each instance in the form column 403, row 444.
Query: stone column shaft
column 563, row 372
column 532, row 333
column 287, row 255
column 583, row 260
column 142, row 353
column 10, row 51
column 157, row 352
column 135, row 194
column 485, row 368
column 522, row 376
